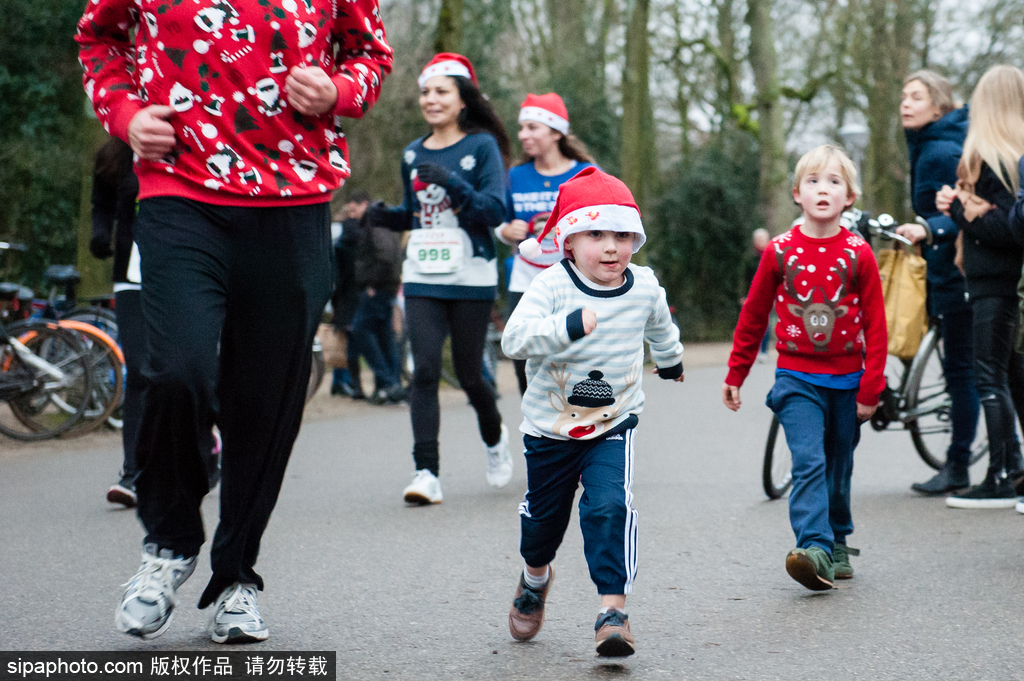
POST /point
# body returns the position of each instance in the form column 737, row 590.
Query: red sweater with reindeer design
column 828, row 298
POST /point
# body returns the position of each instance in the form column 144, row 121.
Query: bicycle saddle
column 61, row 275
column 10, row 291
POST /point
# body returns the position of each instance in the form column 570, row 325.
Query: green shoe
column 841, row 560
column 811, row 567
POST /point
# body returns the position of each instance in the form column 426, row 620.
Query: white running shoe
column 1020, row 505
column 147, row 606
column 236, row 619
column 425, row 489
column 499, row 461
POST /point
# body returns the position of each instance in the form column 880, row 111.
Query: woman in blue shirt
column 454, row 197
column 551, row 156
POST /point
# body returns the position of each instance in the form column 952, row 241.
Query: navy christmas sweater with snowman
column 222, row 65
column 451, row 248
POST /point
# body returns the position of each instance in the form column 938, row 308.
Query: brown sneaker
column 613, row 637
column 527, row 613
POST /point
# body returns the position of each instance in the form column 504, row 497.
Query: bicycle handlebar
column 885, row 220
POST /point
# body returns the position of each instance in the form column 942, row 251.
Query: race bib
column 436, row 251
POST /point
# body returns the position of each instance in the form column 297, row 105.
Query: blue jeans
column 958, row 366
column 373, row 337
column 822, row 431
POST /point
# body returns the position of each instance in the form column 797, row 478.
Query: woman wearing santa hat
column 551, row 155
column 454, row 197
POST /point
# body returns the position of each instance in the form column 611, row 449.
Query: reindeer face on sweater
column 819, row 319
column 591, row 408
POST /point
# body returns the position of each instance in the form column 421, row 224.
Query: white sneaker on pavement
column 499, row 461
column 236, row 619
column 1020, row 505
column 147, row 606
column 425, row 489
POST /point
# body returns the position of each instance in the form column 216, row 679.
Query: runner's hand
column 731, row 396
column 589, row 320
column 310, row 90
column 431, row 173
column 516, row 230
column 149, row 134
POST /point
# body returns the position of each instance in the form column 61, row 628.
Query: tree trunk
column 637, row 116
column 888, row 64
column 96, row 274
column 449, row 27
column 773, row 189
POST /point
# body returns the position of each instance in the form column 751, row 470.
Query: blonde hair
column 939, row 89
column 996, row 133
column 817, row 159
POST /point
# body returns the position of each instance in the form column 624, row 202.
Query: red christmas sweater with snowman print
column 831, row 316
column 222, row 64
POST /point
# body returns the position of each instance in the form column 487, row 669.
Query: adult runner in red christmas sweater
column 233, row 109
column 823, row 282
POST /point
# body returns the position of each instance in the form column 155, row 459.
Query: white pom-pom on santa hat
column 590, row 200
column 531, row 249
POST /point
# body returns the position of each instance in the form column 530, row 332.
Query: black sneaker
column 123, row 493
column 949, row 479
column 994, row 491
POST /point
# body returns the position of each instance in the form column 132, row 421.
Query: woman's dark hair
column 478, row 116
column 113, row 160
column 570, row 146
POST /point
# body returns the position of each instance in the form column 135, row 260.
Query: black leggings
column 999, row 373
column 429, row 321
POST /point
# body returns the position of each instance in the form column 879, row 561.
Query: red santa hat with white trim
column 591, row 199
column 548, row 109
column 447, row 64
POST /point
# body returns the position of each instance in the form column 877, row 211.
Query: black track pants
column 231, row 298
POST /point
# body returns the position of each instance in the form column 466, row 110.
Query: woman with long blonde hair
column 980, row 205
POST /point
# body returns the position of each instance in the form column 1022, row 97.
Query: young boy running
column 581, row 326
column 824, row 284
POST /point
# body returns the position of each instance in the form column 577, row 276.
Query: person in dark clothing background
column 346, row 294
column 377, row 276
column 935, row 131
column 114, row 189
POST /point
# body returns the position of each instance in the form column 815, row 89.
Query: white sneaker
column 1020, row 505
column 147, row 606
column 499, row 461
column 425, row 489
column 236, row 619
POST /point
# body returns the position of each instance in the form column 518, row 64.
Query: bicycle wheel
column 108, row 375
column 777, row 473
column 55, row 395
column 928, row 407
column 316, row 370
column 102, row 318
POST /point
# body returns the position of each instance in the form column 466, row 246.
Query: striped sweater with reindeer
column 581, row 386
column 831, row 317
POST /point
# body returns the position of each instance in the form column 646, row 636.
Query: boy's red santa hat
column 591, row 199
column 548, row 109
column 447, row 64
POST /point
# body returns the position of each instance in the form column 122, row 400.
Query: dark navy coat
column 934, row 154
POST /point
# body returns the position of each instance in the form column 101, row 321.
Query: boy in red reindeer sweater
column 824, row 284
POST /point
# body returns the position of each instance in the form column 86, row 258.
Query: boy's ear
column 850, row 200
column 796, row 195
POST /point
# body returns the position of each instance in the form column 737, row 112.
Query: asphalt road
column 423, row 593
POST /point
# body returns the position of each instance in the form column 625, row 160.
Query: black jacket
column 992, row 256
column 113, row 203
column 935, row 152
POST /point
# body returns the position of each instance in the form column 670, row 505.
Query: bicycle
column 45, row 381
column 919, row 402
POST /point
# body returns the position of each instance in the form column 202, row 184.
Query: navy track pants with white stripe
column 554, row 468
